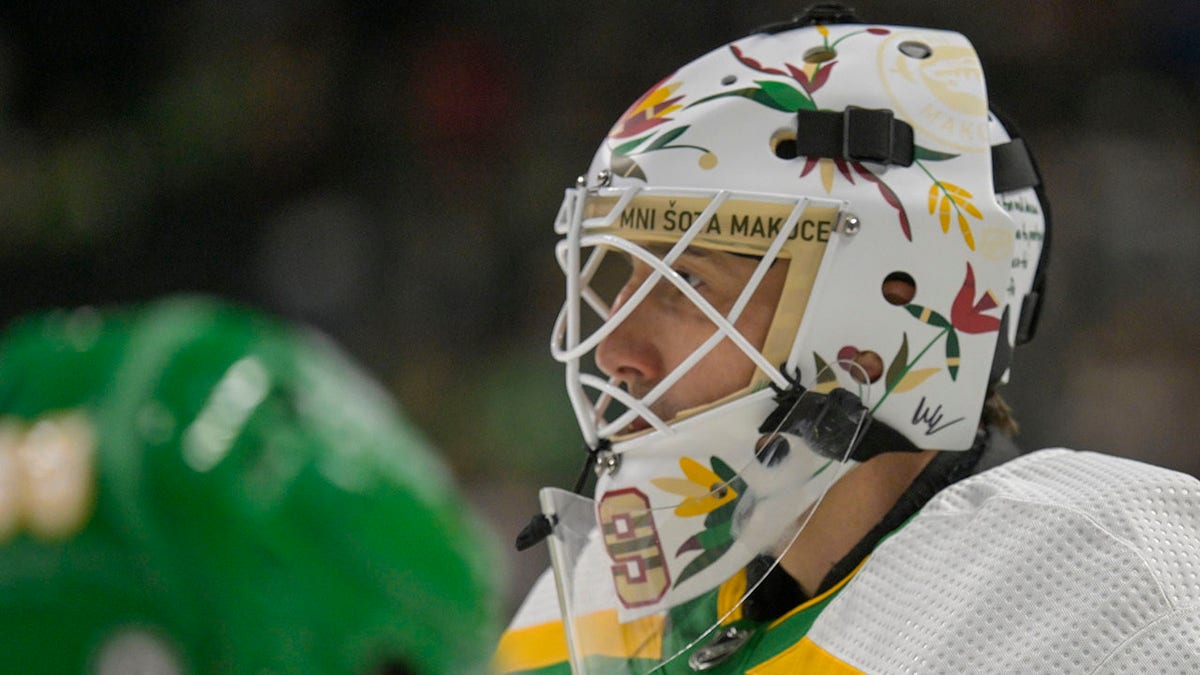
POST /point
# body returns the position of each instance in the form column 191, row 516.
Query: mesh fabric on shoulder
column 1057, row 561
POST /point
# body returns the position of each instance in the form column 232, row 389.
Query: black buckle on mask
column 856, row 134
column 832, row 424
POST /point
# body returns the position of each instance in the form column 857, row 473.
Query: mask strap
column 824, row 418
column 540, row 526
column 856, row 134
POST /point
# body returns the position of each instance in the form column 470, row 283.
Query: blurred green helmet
column 191, row 487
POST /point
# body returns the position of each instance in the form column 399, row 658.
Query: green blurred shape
column 261, row 506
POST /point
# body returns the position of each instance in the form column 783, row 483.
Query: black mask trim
column 1014, row 167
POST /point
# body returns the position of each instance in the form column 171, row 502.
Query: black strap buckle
column 857, row 134
column 876, row 136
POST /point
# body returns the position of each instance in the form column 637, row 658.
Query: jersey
column 1058, row 561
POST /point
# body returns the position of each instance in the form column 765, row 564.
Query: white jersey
column 1057, row 561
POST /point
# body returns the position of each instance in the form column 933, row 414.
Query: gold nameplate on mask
column 738, row 226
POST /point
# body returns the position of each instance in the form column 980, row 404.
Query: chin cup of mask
column 653, row 569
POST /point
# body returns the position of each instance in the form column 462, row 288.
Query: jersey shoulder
column 1049, row 562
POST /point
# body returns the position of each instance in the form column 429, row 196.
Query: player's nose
column 629, row 352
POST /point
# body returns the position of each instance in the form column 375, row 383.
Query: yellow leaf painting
column 913, row 379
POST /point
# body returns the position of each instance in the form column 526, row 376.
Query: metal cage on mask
column 716, row 485
column 627, row 221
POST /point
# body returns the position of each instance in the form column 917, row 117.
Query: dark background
column 388, row 172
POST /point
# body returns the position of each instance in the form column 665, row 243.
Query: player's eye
column 690, row 279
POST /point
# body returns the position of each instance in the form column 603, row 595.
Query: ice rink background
column 388, row 172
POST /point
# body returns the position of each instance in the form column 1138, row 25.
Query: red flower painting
column 649, row 111
column 967, row 314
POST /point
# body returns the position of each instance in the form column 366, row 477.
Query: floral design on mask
column 944, row 197
column 900, row 376
column 713, row 493
column 703, row 489
column 785, row 97
column 649, row 111
column 845, row 166
column 645, row 115
column 967, row 315
column 811, row 76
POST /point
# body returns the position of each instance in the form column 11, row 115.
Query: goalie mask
column 882, row 232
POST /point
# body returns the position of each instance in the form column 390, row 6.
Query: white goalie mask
column 847, row 170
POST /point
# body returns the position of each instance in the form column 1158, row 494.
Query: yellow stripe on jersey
column 546, row 644
column 820, row 598
column 605, row 636
column 729, row 597
column 804, row 657
column 531, row 647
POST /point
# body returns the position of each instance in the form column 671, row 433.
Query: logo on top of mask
column 936, row 84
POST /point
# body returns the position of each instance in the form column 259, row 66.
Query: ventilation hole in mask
column 899, row 288
column 915, row 50
column 783, row 144
column 819, row 55
column 729, row 79
column 771, row 449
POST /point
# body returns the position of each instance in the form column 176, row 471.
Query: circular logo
column 996, row 243
column 935, row 82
